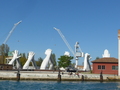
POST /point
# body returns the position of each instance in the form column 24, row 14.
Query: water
column 54, row 85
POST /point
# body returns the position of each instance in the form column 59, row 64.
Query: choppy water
column 54, row 85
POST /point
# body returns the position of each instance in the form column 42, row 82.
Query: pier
column 50, row 75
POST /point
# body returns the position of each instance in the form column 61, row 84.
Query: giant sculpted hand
column 15, row 56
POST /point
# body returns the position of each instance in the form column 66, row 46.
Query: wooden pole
column 18, row 75
column 59, row 76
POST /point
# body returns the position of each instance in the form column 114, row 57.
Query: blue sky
column 93, row 23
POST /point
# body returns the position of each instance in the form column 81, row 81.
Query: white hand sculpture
column 15, row 56
column 30, row 56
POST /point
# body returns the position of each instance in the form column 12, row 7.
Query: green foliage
column 72, row 64
column 39, row 62
column 54, row 59
column 4, row 49
column 90, row 71
column 23, row 55
column 97, row 58
column 64, row 61
column 23, row 59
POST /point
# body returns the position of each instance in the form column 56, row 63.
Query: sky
column 93, row 23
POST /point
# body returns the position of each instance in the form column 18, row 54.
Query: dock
column 53, row 75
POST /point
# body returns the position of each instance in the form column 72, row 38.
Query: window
column 114, row 67
column 1, row 66
column 103, row 66
column 99, row 66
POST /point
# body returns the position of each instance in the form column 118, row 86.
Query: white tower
column 67, row 53
column 106, row 53
column 119, row 52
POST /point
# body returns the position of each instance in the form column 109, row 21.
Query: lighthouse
column 119, row 52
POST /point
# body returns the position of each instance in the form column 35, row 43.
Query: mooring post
column 18, row 75
column 82, row 77
column 101, row 77
column 59, row 76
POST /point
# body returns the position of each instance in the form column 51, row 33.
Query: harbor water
column 54, row 85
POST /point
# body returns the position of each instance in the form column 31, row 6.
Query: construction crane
column 78, row 52
column 64, row 39
column 11, row 32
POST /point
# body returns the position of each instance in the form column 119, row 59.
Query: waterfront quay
column 53, row 75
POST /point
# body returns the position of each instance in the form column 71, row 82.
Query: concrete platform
column 50, row 75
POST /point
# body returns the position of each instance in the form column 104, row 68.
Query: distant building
column 106, row 65
column 4, row 64
column 80, row 67
column 10, row 53
column 6, row 67
column 8, row 59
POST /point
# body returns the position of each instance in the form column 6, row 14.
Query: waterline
column 54, row 85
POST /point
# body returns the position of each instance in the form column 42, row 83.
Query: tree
column 54, row 59
column 23, row 58
column 4, row 49
column 23, row 55
column 39, row 62
column 64, row 61
column 72, row 64
column 97, row 58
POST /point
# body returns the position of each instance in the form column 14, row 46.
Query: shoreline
column 53, row 76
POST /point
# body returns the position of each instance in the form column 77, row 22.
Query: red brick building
column 108, row 65
column 6, row 67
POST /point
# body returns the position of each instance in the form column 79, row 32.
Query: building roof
column 9, row 57
column 106, row 60
column 80, row 66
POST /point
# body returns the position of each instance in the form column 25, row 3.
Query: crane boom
column 64, row 39
column 11, row 31
column 78, row 52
